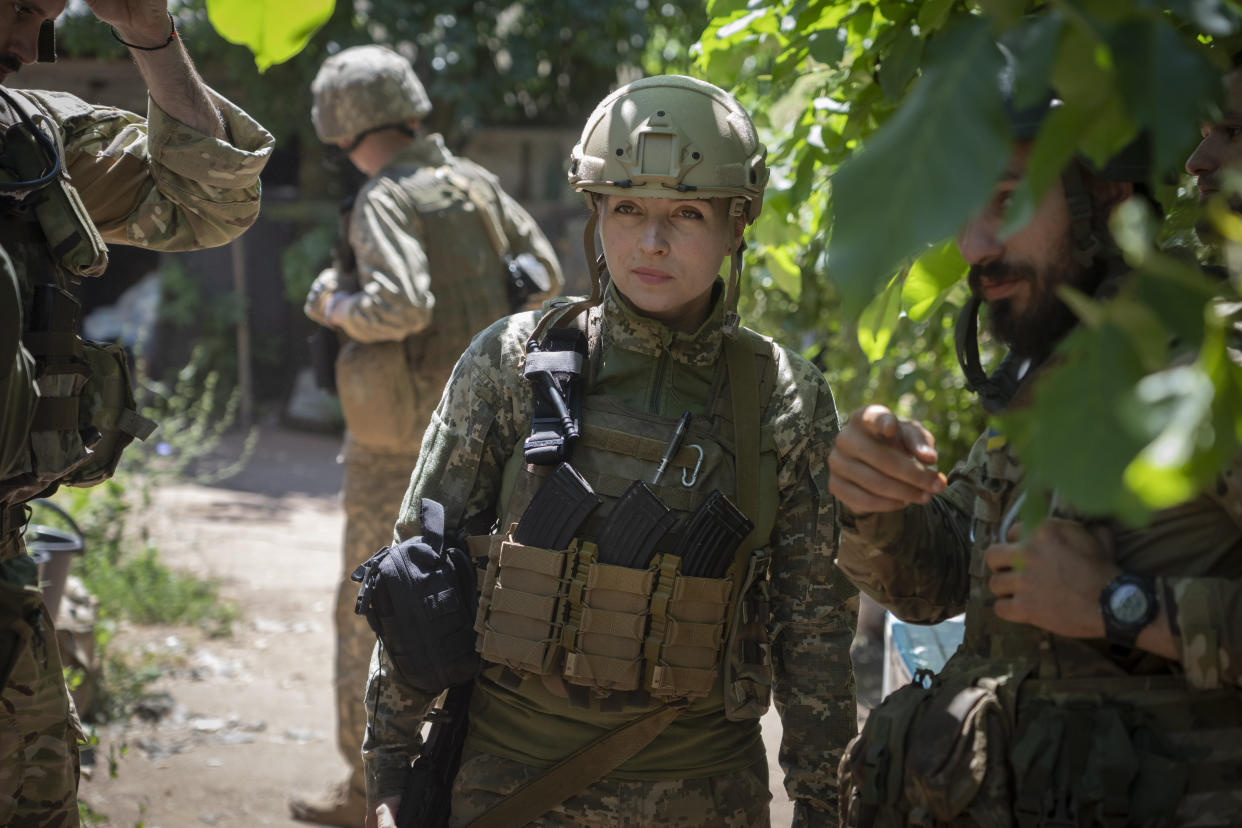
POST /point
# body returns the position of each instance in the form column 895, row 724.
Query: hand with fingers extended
column 882, row 463
column 1053, row 579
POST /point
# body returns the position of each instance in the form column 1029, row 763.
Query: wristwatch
column 1129, row 604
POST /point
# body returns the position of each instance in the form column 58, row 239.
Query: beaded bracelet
column 172, row 35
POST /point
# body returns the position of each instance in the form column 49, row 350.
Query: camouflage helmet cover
column 671, row 136
column 364, row 87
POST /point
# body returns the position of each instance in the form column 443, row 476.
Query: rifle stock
column 429, row 792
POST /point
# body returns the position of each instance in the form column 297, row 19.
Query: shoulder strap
column 489, row 212
column 578, row 770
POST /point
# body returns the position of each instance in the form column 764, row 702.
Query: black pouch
column 421, row 599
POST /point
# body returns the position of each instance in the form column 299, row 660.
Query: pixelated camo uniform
column 480, row 423
column 154, row 183
column 429, row 279
column 1133, row 734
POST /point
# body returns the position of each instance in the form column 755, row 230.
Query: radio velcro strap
column 554, row 369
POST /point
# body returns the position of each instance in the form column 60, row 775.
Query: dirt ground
column 246, row 721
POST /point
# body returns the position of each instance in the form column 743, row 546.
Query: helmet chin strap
column 997, row 391
column 733, row 290
column 596, row 265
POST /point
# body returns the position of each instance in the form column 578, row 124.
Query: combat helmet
column 671, row 136
column 363, row 89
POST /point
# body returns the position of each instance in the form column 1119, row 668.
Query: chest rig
column 86, row 412
column 609, row 609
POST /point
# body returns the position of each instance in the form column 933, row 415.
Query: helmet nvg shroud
column 670, row 136
column 362, row 89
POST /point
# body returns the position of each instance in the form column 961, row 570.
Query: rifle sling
column 578, row 770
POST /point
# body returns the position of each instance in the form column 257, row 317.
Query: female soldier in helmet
column 640, row 604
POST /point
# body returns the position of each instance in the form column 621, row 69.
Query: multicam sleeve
column 915, row 561
column 813, row 605
column 156, row 182
column 396, row 299
column 1205, row 614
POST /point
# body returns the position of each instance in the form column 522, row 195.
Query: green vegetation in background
column 885, row 136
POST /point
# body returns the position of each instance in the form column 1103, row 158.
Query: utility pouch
column 748, row 651
column 521, row 613
column 419, row 597
column 378, row 398
column 607, row 622
column 107, row 414
column 692, row 622
column 31, row 157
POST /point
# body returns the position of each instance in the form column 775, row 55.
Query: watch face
column 1128, row 604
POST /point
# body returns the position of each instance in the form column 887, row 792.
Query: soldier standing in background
column 74, row 177
column 439, row 252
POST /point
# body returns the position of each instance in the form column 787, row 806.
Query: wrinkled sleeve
column 471, row 435
column 526, row 237
column 813, row 605
column 916, row 561
column 395, row 300
column 1206, row 616
column 157, row 183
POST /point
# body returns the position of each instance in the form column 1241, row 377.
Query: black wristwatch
column 1129, row 604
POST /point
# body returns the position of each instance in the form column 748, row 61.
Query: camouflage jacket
column 482, row 420
column 427, row 275
column 155, row 182
column 918, row 562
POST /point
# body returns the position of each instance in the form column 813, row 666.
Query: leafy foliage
column 886, row 131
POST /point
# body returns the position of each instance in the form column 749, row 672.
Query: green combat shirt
column 485, row 413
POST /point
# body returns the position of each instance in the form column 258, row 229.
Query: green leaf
column 1069, row 436
column 931, row 278
column 724, row 8
column 1054, row 147
column 827, row 45
column 1167, row 85
column 274, row 30
column 879, row 319
column 1176, row 405
column 785, row 271
column 1035, row 46
column 921, row 175
column 901, row 62
column 933, row 14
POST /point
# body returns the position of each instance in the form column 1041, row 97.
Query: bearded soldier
column 74, row 177
column 433, row 246
column 1098, row 682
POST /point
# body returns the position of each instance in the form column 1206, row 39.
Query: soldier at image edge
column 73, row 178
column 673, row 173
column 1098, row 682
column 431, row 247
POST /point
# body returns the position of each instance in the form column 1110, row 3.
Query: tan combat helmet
column 362, row 89
column 671, row 136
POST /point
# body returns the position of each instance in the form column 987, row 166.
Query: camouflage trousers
column 39, row 727
column 729, row 800
column 373, row 489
